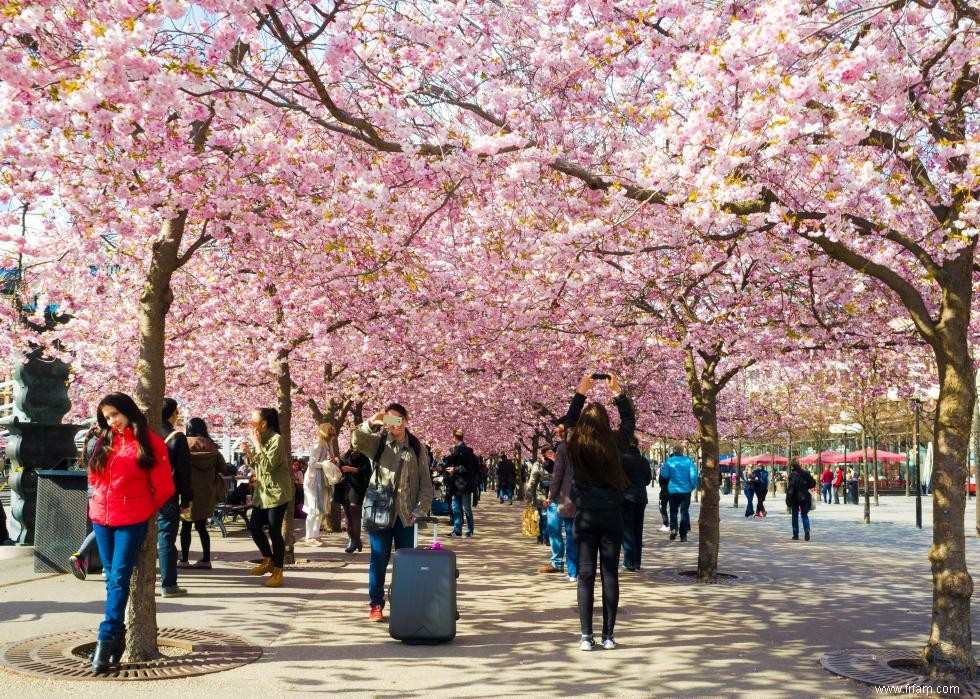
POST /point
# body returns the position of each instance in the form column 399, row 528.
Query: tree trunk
column 737, row 486
column 709, row 519
column 284, row 401
column 976, row 460
column 949, row 651
column 155, row 301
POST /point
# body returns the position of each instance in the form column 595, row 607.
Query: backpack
column 764, row 479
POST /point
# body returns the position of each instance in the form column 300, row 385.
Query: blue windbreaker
column 682, row 474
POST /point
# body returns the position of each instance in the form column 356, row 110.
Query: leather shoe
column 100, row 658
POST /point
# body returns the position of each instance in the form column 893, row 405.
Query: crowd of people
column 588, row 492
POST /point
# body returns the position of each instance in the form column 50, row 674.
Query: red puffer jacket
column 125, row 493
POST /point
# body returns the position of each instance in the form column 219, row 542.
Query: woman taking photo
column 207, row 487
column 273, row 491
column 317, row 494
column 130, row 477
column 597, row 491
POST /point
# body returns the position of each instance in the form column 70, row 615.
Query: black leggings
column 272, row 517
column 201, row 526
column 598, row 534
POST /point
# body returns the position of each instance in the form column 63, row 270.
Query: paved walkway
column 854, row 585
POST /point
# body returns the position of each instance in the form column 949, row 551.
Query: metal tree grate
column 300, row 564
column 889, row 667
column 187, row 653
column 680, row 576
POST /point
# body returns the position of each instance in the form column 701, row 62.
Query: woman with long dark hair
column 207, row 487
column 597, row 490
column 129, row 472
column 273, row 491
column 349, row 493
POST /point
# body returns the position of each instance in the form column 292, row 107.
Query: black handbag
column 378, row 510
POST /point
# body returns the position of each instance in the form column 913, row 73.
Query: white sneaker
column 665, row 528
column 609, row 644
column 586, row 644
column 572, row 578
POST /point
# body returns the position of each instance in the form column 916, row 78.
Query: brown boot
column 262, row 568
column 275, row 580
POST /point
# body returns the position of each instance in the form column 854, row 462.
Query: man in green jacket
column 401, row 453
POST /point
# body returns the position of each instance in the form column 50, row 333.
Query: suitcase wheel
column 457, row 573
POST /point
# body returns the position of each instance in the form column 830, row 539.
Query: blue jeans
column 119, row 548
column 798, row 512
column 571, row 548
column 680, row 502
column 825, row 492
column 506, row 493
column 403, row 538
column 168, row 523
column 749, row 494
column 462, row 505
column 553, row 527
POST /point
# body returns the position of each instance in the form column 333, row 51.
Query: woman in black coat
column 799, row 498
column 349, row 493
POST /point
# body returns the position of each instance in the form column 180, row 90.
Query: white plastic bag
column 331, row 472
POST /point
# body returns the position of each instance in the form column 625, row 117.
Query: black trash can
column 852, row 492
column 726, row 485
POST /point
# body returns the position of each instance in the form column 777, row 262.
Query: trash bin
column 851, row 496
column 62, row 519
column 726, row 486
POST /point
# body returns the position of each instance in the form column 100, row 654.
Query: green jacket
column 273, row 475
column 415, row 489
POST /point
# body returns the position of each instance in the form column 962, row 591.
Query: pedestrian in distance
column 749, row 492
column 598, row 484
column 207, row 489
column 317, row 492
column 537, row 492
column 799, row 498
column 682, row 479
column 760, row 481
column 664, row 500
column 463, row 470
column 838, row 483
column 349, row 493
column 266, row 455
column 81, row 559
column 506, row 479
column 634, row 505
column 401, row 463
column 560, row 502
column 168, row 518
column 826, row 482
column 131, row 480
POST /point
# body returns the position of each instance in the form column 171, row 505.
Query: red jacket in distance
column 125, row 493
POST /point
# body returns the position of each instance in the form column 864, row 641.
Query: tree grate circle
column 890, row 667
column 187, row 653
column 300, row 564
column 681, row 576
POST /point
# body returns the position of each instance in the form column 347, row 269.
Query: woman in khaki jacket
column 273, row 491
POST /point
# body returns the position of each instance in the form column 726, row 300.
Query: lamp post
column 917, row 404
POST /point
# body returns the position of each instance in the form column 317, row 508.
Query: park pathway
column 854, row 585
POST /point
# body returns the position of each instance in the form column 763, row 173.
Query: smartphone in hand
column 392, row 420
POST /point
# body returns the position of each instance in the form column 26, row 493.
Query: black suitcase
column 423, row 594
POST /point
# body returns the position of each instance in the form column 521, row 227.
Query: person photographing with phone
column 400, row 487
column 594, row 451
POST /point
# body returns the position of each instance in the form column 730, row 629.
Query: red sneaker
column 376, row 614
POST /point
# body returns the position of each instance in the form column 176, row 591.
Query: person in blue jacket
column 682, row 479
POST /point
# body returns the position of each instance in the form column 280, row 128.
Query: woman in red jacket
column 130, row 474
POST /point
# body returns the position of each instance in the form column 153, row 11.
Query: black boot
column 118, row 648
column 100, row 658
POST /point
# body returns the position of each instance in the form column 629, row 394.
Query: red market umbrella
column 767, row 459
column 869, row 454
column 733, row 461
column 825, row 457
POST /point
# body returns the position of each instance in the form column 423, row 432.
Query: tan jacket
column 415, row 487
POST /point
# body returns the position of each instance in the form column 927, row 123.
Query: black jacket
column 506, row 475
column 466, row 469
column 596, row 495
column 638, row 471
column 179, row 454
column 351, row 489
column 798, row 487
